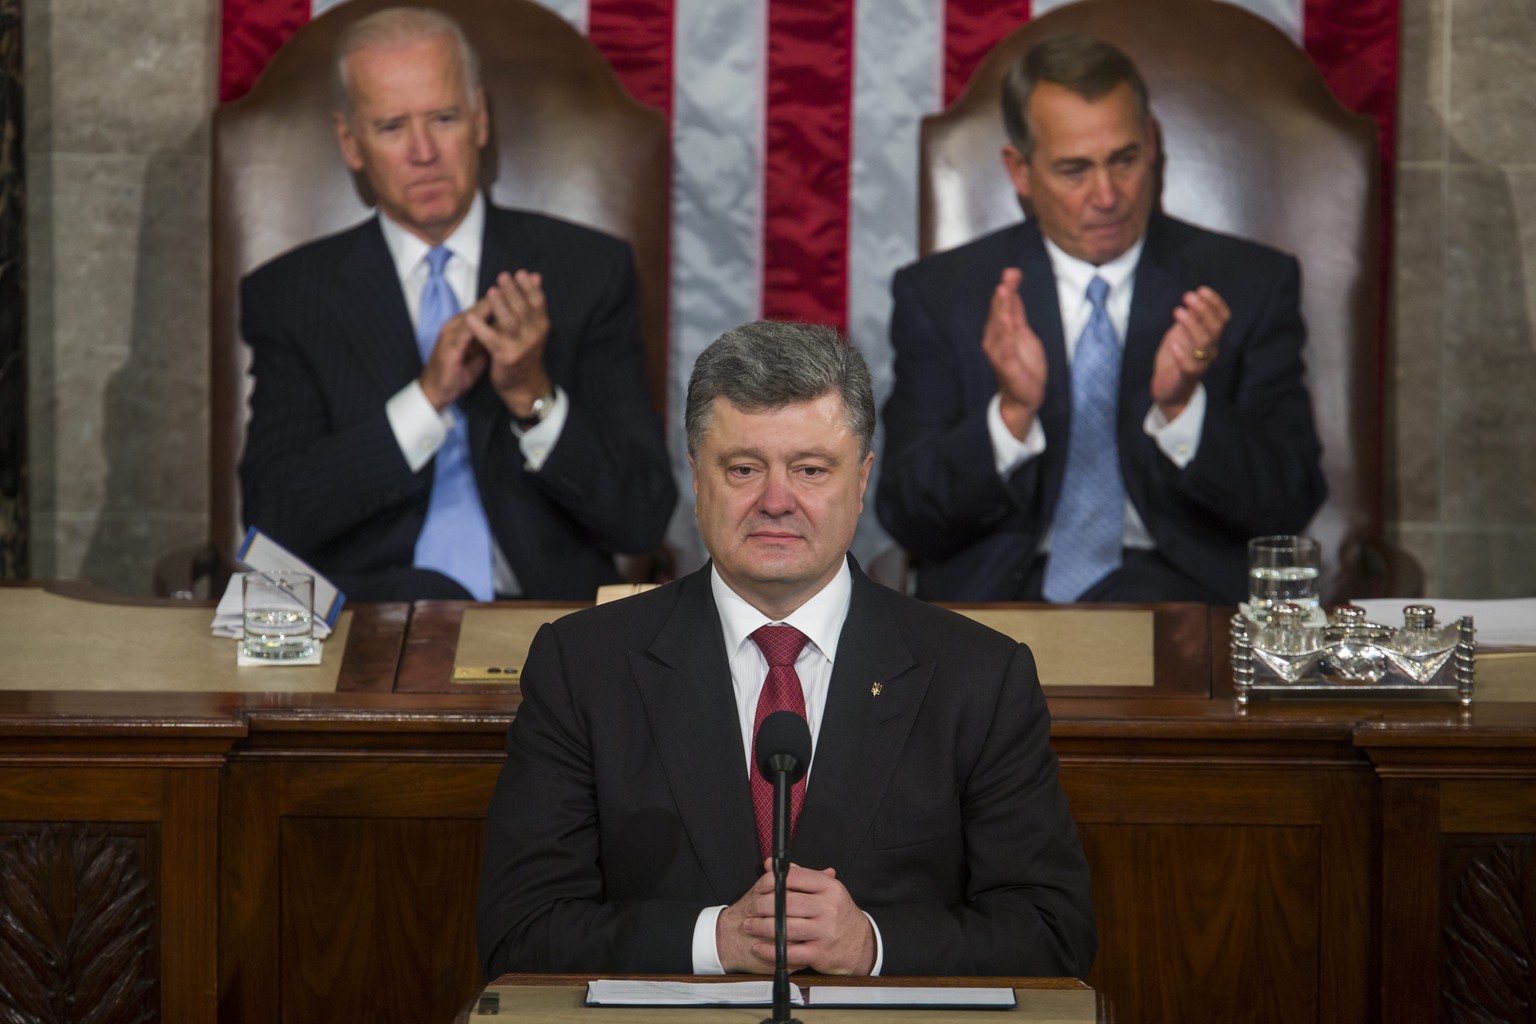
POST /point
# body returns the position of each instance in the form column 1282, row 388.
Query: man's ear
column 693, row 474
column 350, row 151
column 1018, row 170
column 482, row 119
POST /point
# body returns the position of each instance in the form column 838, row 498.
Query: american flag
column 795, row 139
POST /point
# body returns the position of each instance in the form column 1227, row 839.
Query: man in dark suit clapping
column 1102, row 403
column 449, row 398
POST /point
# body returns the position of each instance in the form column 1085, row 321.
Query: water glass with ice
column 279, row 614
column 1283, row 568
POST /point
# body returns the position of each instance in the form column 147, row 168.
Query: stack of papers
column 760, row 993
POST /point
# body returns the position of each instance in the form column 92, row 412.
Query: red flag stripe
column 250, row 33
column 808, row 133
column 971, row 28
column 636, row 37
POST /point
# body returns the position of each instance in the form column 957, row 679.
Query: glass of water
column 279, row 614
column 1284, row 568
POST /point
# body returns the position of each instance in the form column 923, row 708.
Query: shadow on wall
column 155, row 407
column 1461, row 434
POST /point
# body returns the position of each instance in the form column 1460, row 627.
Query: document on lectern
column 892, row 997
column 605, row 992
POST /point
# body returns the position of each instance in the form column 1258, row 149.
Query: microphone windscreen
column 783, row 733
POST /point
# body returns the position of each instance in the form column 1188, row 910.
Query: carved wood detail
column 1487, row 929
column 79, row 933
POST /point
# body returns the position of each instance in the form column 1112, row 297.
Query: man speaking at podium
column 627, row 832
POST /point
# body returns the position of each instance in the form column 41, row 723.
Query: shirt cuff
column 420, row 430
column 539, row 440
column 1179, row 438
column 706, row 957
column 1008, row 452
column 879, row 947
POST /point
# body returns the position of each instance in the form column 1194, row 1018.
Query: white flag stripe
column 573, row 11
column 897, row 80
column 719, row 50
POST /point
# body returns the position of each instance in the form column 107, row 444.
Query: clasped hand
column 503, row 334
column 1018, row 358
column 824, row 929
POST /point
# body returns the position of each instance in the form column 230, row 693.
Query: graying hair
column 771, row 364
column 1089, row 67
column 399, row 26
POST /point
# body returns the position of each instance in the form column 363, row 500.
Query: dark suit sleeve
column 542, row 904
column 313, row 467
column 1258, row 469
column 939, row 489
column 609, row 470
column 1027, row 906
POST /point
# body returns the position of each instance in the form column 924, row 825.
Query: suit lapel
column 1161, row 280
column 1042, row 305
column 372, row 314
column 872, row 703
column 685, row 685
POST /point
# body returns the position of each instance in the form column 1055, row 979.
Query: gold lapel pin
column 874, row 689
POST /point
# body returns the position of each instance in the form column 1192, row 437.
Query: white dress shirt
column 419, row 429
column 1177, row 439
column 821, row 619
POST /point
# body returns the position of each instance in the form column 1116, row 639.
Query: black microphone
column 783, row 755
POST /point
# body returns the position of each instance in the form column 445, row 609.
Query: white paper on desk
column 260, row 553
column 1499, row 623
column 608, row 992
column 891, row 996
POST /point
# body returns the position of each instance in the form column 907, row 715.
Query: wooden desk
column 313, row 856
column 559, row 998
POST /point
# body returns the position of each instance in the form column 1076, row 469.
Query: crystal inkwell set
column 1284, row 644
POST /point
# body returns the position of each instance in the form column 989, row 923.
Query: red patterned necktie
column 781, row 645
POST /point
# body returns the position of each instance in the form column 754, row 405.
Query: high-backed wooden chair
column 1253, row 144
column 566, row 139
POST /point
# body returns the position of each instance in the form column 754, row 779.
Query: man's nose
column 1102, row 192
column 423, row 146
column 777, row 498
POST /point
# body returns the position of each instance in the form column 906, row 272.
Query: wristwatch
column 537, row 413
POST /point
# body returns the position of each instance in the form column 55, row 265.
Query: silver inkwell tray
column 1296, row 651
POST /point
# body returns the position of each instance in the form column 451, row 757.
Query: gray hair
column 771, row 364
column 1089, row 67
column 399, row 26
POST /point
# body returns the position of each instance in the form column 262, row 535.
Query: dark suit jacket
column 973, row 534
column 331, row 341
column 623, row 809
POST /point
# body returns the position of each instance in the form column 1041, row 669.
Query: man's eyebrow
column 748, row 452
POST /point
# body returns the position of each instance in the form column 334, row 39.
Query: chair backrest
column 1254, row 145
column 566, row 140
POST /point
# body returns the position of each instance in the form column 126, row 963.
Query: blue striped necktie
column 456, row 538
column 1089, row 525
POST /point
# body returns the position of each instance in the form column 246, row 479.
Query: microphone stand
column 781, row 764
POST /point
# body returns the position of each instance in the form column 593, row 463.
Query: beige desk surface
column 562, row 1003
column 52, row 642
column 1088, row 647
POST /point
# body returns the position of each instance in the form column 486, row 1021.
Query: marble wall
column 118, row 175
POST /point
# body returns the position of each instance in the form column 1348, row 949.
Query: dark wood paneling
column 116, row 862
column 1207, row 922
column 1488, row 920
column 348, row 887
column 81, row 928
column 375, row 919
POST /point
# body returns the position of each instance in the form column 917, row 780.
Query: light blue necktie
column 456, row 538
column 1089, row 524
